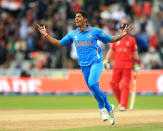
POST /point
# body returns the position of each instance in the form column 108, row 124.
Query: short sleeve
column 102, row 36
column 66, row 40
column 134, row 45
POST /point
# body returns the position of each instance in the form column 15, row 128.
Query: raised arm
column 50, row 39
column 125, row 32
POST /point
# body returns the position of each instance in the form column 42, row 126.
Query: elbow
column 59, row 45
column 112, row 40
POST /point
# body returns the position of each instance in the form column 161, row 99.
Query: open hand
column 128, row 29
column 42, row 30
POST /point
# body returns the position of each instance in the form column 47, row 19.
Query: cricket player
column 124, row 54
column 90, row 56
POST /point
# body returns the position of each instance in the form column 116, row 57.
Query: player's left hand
column 128, row 29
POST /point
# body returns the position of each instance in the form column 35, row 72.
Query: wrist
column 44, row 36
column 124, row 34
column 106, row 61
column 136, row 61
column 136, row 65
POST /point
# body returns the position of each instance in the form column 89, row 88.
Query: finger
column 39, row 27
column 125, row 27
column 132, row 29
column 130, row 26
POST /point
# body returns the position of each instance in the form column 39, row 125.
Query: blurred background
column 22, row 48
column 23, row 52
column 32, row 67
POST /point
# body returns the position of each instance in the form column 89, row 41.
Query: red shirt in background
column 123, row 52
column 147, row 8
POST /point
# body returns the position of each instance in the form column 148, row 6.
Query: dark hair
column 24, row 74
column 83, row 13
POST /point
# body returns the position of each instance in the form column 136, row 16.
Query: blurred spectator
column 142, row 40
column 137, row 8
column 30, row 42
column 20, row 45
column 147, row 7
column 18, row 40
column 105, row 13
column 157, row 22
column 24, row 74
column 24, row 28
column 3, row 52
column 151, row 60
column 118, row 15
column 161, row 5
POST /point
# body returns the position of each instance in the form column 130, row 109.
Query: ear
column 86, row 20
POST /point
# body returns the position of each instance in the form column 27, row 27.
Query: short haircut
column 83, row 13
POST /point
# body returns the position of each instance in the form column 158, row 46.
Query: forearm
column 53, row 41
column 109, row 55
column 118, row 37
column 136, row 57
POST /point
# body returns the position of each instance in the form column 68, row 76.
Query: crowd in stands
column 20, row 40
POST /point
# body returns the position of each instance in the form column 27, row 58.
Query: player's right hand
column 106, row 64
column 42, row 30
column 136, row 68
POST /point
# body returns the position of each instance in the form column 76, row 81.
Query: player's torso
column 123, row 53
column 124, row 48
column 84, row 40
column 86, row 45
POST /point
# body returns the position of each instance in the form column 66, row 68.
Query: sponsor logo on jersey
column 103, row 35
column 83, row 43
column 89, row 36
column 127, row 43
column 76, row 37
column 118, row 42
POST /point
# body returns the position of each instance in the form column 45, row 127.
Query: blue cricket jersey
column 86, row 44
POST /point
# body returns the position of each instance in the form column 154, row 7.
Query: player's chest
column 84, row 36
column 84, row 39
column 123, row 46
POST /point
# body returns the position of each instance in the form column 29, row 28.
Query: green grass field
column 71, row 102
column 82, row 102
column 146, row 127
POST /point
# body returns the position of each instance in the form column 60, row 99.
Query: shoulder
column 131, row 37
column 113, row 45
column 71, row 34
column 95, row 29
column 132, row 40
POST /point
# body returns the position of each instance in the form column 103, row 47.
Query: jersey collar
column 126, row 37
column 87, row 29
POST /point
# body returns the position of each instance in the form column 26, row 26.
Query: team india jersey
column 86, row 44
column 123, row 52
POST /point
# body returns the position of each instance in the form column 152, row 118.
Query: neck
column 83, row 27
